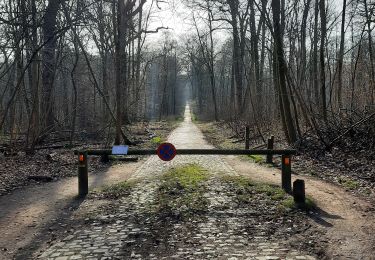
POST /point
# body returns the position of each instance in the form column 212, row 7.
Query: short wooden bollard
column 247, row 138
column 270, row 144
column 104, row 158
column 299, row 192
column 83, row 177
column 286, row 173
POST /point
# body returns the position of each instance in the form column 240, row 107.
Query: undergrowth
column 348, row 183
column 256, row 158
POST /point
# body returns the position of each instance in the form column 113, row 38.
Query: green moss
column 290, row 204
column 194, row 117
column 245, row 188
column 367, row 191
column 313, row 173
column 188, row 176
column 256, row 158
column 275, row 192
column 156, row 140
column 240, row 181
column 116, row 191
column 348, row 183
column 181, row 193
column 310, row 203
column 179, row 119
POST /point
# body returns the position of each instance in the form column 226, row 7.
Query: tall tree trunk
column 211, row 63
column 75, row 94
column 370, row 50
column 104, row 59
column 315, row 56
column 49, row 61
column 120, row 67
column 255, row 61
column 34, row 124
column 291, row 133
column 138, row 59
column 302, row 66
column 323, row 23
column 237, row 59
column 341, row 56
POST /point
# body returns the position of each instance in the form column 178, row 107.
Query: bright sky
column 176, row 16
column 173, row 15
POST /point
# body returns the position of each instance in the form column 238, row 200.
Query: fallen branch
column 350, row 128
column 63, row 146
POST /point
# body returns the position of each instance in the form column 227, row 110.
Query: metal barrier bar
column 198, row 152
column 286, row 168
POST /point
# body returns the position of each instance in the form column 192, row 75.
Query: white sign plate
column 120, row 150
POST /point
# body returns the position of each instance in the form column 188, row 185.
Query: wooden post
column 247, row 138
column 299, row 192
column 104, row 158
column 270, row 144
column 286, row 173
column 83, row 178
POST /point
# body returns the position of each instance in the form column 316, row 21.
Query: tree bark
column 341, row 57
column 323, row 22
column 291, row 133
column 49, row 61
column 120, row 67
column 370, row 49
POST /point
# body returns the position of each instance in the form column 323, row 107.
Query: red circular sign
column 167, row 152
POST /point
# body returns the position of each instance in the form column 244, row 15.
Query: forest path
column 132, row 230
column 347, row 221
column 27, row 213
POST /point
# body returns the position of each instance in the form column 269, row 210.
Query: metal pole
column 286, row 173
column 270, row 147
column 83, row 178
column 199, row 152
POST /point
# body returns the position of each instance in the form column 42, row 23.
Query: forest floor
column 50, row 164
column 195, row 207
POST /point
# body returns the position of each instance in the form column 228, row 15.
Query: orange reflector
column 287, row 161
column 81, row 158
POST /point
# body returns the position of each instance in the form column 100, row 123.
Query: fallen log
column 40, row 178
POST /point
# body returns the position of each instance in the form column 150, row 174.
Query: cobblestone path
column 131, row 234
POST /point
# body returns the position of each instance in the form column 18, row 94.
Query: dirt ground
column 348, row 221
column 27, row 213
